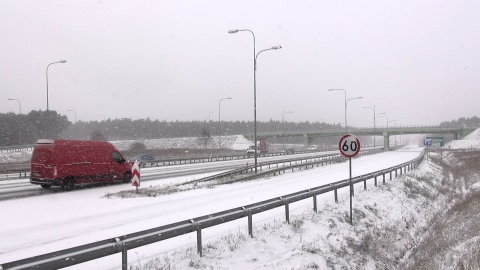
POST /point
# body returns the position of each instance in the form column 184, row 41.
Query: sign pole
column 351, row 190
column 349, row 147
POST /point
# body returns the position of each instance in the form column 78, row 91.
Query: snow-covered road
column 38, row 225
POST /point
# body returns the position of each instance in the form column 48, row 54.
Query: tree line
column 17, row 129
column 462, row 122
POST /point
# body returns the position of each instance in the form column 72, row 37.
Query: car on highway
column 313, row 147
column 67, row 163
column 144, row 159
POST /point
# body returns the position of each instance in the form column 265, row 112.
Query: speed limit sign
column 349, row 145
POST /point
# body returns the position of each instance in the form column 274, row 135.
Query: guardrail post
column 314, row 203
column 384, row 178
column 199, row 240
column 390, row 175
column 124, row 253
column 287, row 213
column 365, row 185
column 396, row 174
column 124, row 258
column 336, row 195
column 375, row 180
column 250, row 224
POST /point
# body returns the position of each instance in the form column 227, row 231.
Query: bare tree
column 205, row 138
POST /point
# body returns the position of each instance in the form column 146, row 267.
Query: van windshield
column 117, row 157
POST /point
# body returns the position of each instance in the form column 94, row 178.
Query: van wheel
column 127, row 177
column 45, row 186
column 68, row 184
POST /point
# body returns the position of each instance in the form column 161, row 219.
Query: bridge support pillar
column 386, row 141
column 307, row 140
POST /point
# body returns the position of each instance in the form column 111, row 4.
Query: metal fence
column 121, row 244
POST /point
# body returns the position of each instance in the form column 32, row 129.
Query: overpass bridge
column 386, row 132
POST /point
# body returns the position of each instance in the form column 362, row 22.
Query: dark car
column 144, row 159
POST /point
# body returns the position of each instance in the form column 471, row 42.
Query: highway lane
column 20, row 188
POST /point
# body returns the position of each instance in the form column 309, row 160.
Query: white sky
column 416, row 61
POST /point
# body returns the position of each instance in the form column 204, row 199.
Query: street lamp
column 384, row 117
column 283, row 127
column 19, row 104
column 374, row 125
column 75, row 114
column 219, row 125
column 61, row 62
column 346, row 101
column 255, row 55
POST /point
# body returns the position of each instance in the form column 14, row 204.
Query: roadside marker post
column 349, row 146
column 136, row 175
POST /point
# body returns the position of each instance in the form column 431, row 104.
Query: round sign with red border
column 349, row 145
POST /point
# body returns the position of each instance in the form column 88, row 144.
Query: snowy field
column 471, row 141
column 43, row 224
column 38, row 225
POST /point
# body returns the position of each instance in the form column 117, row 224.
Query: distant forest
column 28, row 128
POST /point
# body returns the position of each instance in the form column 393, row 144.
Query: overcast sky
column 416, row 61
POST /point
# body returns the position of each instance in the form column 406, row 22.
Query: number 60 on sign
column 349, row 145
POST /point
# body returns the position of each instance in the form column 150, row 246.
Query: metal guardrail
column 14, row 171
column 6, row 170
column 317, row 159
column 96, row 250
column 16, row 148
column 211, row 158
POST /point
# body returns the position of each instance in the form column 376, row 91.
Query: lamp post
column 283, row 127
column 75, row 115
column 374, row 125
column 61, row 62
column 346, row 101
column 19, row 105
column 255, row 55
column 219, row 125
column 384, row 117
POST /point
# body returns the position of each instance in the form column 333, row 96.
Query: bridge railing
column 121, row 244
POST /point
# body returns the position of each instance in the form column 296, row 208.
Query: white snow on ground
column 21, row 156
column 241, row 143
column 38, row 225
column 60, row 220
column 235, row 142
column 471, row 141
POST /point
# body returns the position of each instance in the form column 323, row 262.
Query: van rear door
column 43, row 160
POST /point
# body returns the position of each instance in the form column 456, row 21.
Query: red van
column 66, row 163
